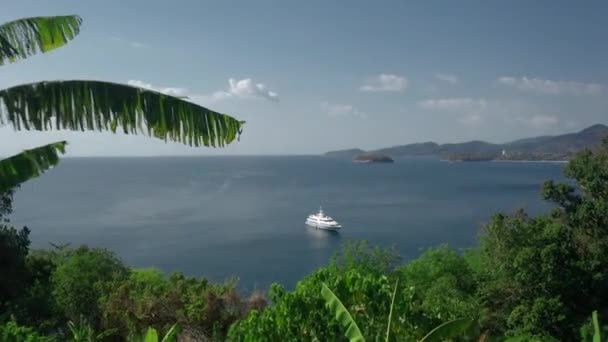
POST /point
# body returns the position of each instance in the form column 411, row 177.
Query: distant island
column 345, row 154
column 543, row 148
column 372, row 158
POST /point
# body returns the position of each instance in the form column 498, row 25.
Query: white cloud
column 168, row 90
column 458, row 103
column 244, row 89
column 247, row 88
column 449, row 78
column 550, row 87
column 385, row 83
column 337, row 110
column 141, row 84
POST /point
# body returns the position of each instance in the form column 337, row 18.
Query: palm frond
column 106, row 333
column 390, row 312
column 597, row 335
column 171, row 335
column 76, row 333
column 29, row 164
column 25, row 37
column 342, row 315
column 98, row 105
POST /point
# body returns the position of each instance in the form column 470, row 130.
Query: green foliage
column 446, row 331
column 526, row 274
column 390, row 313
column 36, row 306
column 437, row 287
column 543, row 275
column 356, row 274
column 95, row 105
column 81, row 278
column 25, row 37
column 529, row 338
column 6, row 204
column 10, row 331
column 592, row 330
column 597, row 335
column 152, row 335
column 14, row 246
column 361, row 256
column 25, row 290
column 148, row 299
column 84, row 332
column 28, row 164
column 342, row 315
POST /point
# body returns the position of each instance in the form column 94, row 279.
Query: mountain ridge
column 546, row 147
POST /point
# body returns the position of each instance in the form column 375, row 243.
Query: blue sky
column 312, row 76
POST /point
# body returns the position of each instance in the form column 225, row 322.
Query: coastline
column 531, row 161
column 506, row 161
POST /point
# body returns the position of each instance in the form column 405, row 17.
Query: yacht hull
column 320, row 225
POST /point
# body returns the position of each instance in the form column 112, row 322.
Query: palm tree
column 90, row 105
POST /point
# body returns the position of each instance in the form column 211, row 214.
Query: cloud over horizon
column 167, row 90
column 244, row 89
column 455, row 103
column 551, row 87
column 385, row 83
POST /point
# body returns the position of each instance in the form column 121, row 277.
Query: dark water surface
column 244, row 216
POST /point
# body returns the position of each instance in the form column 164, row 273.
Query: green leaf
column 390, row 313
column 29, row 164
column 75, row 331
column 96, row 105
column 342, row 315
column 171, row 335
column 448, row 330
column 106, row 333
column 151, row 335
column 596, row 327
column 25, row 37
column 523, row 338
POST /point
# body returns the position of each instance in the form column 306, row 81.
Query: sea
column 243, row 217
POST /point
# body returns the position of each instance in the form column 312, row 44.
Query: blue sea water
column 244, row 216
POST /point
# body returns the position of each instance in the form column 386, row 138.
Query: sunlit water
column 244, row 216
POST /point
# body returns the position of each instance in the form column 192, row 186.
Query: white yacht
column 322, row 221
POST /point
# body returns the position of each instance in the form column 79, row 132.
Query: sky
column 316, row 75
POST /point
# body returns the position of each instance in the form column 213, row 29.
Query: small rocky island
column 372, row 158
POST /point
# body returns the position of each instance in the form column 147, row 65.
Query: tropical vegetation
column 532, row 278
